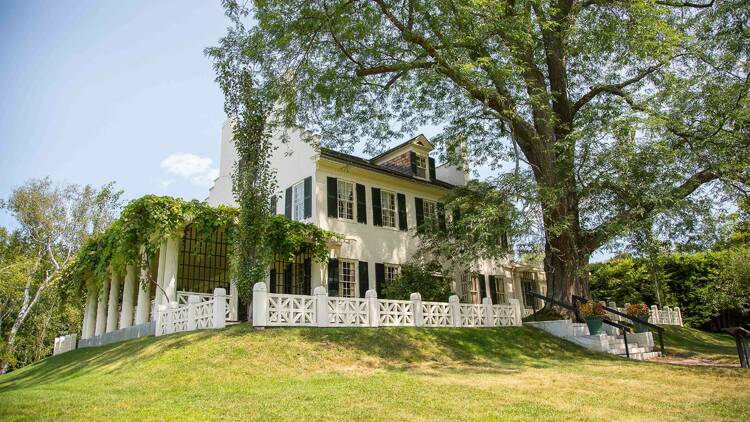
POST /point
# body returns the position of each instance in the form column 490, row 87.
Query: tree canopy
column 614, row 111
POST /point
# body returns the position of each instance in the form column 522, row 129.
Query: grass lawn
column 366, row 374
column 692, row 343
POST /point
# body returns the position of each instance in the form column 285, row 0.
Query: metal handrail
column 659, row 330
column 573, row 308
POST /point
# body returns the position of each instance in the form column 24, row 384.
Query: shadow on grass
column 689, row 342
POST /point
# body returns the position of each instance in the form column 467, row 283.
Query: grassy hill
column 372, row 374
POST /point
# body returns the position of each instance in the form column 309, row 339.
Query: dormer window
column 420, row 166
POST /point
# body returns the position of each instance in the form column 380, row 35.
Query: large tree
column 614, row 111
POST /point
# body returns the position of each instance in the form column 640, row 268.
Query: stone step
column 633, row 350
column 645, row 355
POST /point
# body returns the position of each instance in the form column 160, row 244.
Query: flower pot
column 641, row 327
column 595, row 325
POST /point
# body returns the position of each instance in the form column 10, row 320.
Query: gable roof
column 370, row 165
column 419, row 139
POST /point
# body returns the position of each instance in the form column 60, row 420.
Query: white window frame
column 348, row 287
column 390, row 273
column 298, row 201
column 429, row 210
column 343, row 204
column 421, row 166
column 383, row 210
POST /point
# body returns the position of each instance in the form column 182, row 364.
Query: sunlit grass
column 372, row 374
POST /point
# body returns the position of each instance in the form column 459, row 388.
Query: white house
column 376, row 204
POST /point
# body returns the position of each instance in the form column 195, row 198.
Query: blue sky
column 99, row 91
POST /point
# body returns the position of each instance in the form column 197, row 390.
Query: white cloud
column 196, row 169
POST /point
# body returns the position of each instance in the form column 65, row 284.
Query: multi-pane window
column 430, row 211
column 298, row 201
column 390, row 273
column 388, row 204
column 527, row 286
column 421, row 165
column 347, row 278
column 469, row 287
column 345, row 199
column 499, row 290
column 291, row 277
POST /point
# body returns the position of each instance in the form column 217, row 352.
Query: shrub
column 591, row 308
column 422, row 279
column 638, row 310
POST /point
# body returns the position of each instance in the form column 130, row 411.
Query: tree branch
column 397, row 67
column 612, row 88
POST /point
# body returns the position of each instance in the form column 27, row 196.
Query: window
column 499, row 290
column 345, row 193
column 390, row 273
column 291, row 277
column 421, row 166
column 430, row 212
column 388, row 204
column 347, row 278
column 469, row 287
column 298, row 201
column 202, row 263
column 527, row 286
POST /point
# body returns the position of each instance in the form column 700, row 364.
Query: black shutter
column 272, row 205
column 272, row 281
column 379, row 278
column 432, row 168
column 493, row 289
column 332, row 192
column 441, row 216
column 361, row 204
column 333, row 277
column 288, row 279
column 456, row 214
column 307, row 277
column 401, row 199
column 419, row 210
column 482, row 288
column 377, row 211
column 413, row 159
column 364, row 278
column 308, row 197
column 288, row 203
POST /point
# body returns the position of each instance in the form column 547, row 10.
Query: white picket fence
column 64, row 344
column 319, row 310
column 194, row 314
column 665, row 316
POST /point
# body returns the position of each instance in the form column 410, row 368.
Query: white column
column 101, row 309
column 170, row 269
column 144, row 296
column 192, row 301
column 678, row 315
column 455, row 310
column 373, row 309
column 260, row 304
column 114, row 294
column 489, row 316
column 517, row 315
column 160, row 275
column 416, row 308
column 128, row 292
column 220, row 308
column 89, row 317
column 321, row 305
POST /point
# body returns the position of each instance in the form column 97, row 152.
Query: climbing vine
column 147, row 222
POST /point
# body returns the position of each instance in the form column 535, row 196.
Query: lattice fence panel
column 348, row 312
column 395, row 313
column 291, row 310
column 437, row 314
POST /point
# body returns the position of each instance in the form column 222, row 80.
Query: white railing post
column 373, row 310
column 453, row 300
column 260, row 305
column 192, row 301
column 517, row 315
column 678, row 316
column 489, row 316
column 321, row 306
column 416, row 308
column 220, row 307
column 655, row 314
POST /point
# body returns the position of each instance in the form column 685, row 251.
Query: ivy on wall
column 147, row 222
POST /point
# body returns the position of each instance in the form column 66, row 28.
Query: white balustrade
column 348, row 312
column 182, row 300
column 64, row 344
column 394, row 313
column 195, row 314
